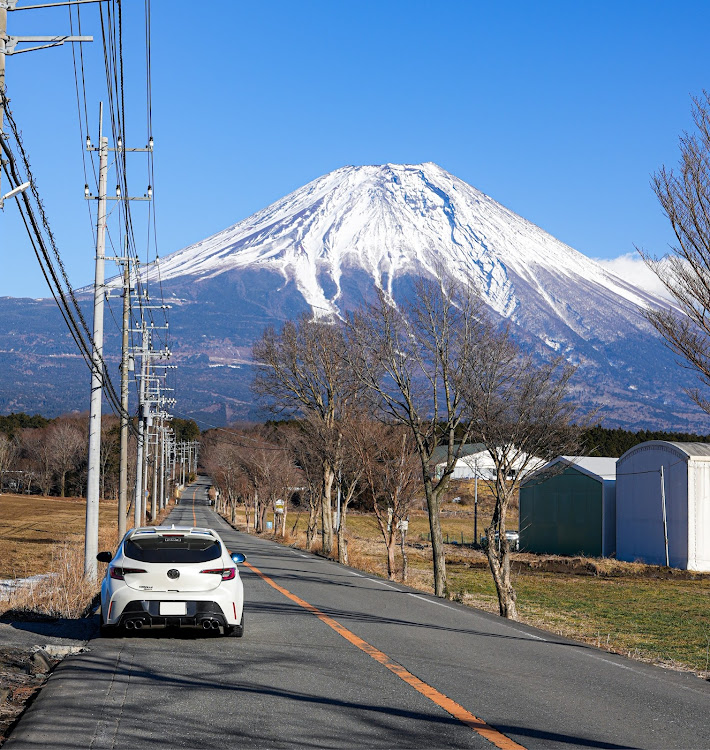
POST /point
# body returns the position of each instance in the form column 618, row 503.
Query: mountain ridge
column 325, row 247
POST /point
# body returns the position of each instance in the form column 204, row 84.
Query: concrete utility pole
column 138, row 502
column 146, row 399
column 91, row 540
column 154, row 494
column 125, row 367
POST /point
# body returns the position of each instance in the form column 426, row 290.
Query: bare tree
column 110, row 455
column 8, row 454
column 66, row 442
column 302, row 373
column 390, row 469
column 220, row 455
column 684, row 195
column 411, row 362
column 309, row 462
column 521, row 411
column 38, row 454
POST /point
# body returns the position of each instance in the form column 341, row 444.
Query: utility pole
column 146, row 399
column 163, row 430
column 138, row 502
column 125, row 366
column 91, row 540
column 154, row 494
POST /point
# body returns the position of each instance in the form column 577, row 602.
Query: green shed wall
column 562, row 515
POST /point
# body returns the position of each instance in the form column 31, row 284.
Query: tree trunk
column 63, row 484
column 342, row 541
column 499, row 562
column 499, row 558
column 263, row 510
column 312, row 523
column 437, row 538
column 327, row 509
column 390, row 555
column 405, row 559
column 257, row 513
column 283, row 519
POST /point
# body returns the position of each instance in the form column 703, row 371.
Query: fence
column 460, row 539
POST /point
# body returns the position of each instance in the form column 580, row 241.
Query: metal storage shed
column 570, row 510
column 685, row 493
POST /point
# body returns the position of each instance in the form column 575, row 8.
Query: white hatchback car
column 172, row 576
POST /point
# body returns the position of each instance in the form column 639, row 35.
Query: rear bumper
column 223, row 603
column 147, row 613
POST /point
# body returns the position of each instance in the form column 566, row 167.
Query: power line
column 60, row 287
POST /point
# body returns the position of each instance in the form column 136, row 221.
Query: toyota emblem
column 172, row 573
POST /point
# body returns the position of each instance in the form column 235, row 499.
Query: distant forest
column 597, row 441
column 600, row 441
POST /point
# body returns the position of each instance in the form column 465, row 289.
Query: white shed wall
column 699, row 516
column 639, row 513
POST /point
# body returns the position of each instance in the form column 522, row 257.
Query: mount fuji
column 328, row 245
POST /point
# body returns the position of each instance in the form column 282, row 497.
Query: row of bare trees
column 52, row 458
column 436, row 374
column 257, row 467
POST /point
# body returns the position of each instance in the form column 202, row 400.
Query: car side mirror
column 104, row 557
column 238, row 557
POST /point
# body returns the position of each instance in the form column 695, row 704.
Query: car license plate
column 173, row 608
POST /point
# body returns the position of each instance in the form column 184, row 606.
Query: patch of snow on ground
column 9, row 585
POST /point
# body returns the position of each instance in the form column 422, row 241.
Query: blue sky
column 561, row 111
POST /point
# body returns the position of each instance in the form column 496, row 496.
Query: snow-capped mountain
column 328, row 245
column 391, row 221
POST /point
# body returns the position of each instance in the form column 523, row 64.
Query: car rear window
column 173, row 549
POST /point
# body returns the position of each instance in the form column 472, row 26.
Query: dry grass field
column 45, row 536
column 32, row 528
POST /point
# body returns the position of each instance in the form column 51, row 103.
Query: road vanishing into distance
column 333, row 658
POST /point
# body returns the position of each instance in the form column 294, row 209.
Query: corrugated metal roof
column 601, row 466
column 693, row 449
column 598, row 467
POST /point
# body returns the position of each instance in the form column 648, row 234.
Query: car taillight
column 118, row 573
column 226, row 573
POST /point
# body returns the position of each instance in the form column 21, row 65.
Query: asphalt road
column 336, row 659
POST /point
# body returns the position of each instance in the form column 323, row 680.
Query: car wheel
column 235, row 631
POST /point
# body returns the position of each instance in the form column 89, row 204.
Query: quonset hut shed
column 568, row 507
column 639, row 504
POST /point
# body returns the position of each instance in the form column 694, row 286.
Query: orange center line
column 441, row 700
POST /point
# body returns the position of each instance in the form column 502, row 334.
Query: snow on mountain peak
column 389, row 220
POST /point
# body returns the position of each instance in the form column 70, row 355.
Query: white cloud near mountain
column 631, row 268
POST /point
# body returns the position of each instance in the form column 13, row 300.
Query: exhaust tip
column 129, row 624
column 138, row 624
column 206, row 624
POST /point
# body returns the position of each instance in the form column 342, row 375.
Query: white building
column 685, row 492
column 474, row 461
